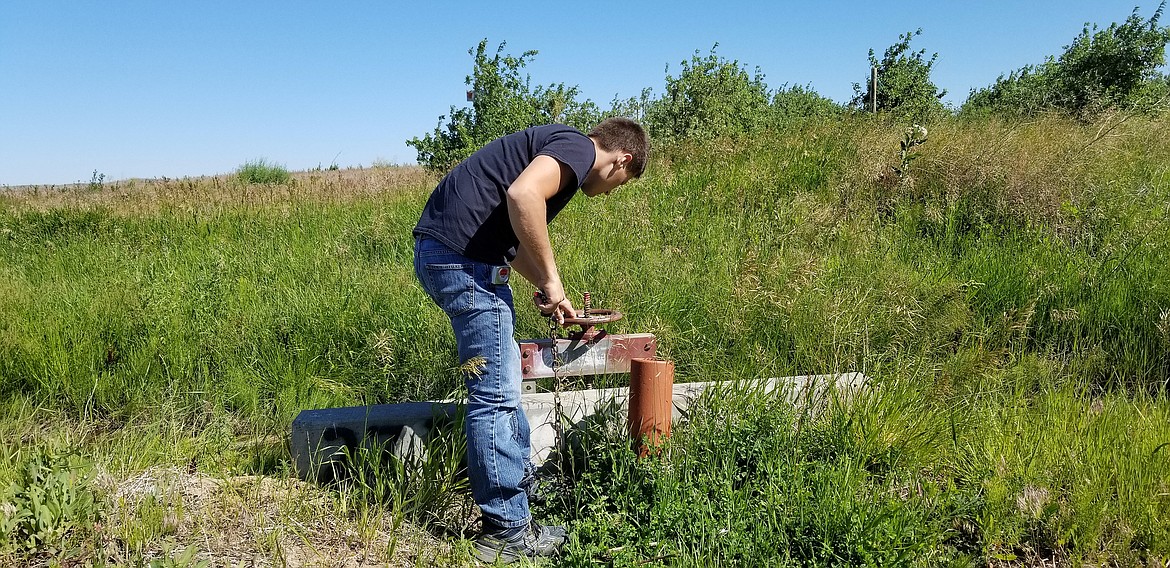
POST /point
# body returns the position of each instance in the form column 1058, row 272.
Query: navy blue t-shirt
column 468, row 211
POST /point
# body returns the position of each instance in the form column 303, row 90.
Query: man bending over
column 489, row 216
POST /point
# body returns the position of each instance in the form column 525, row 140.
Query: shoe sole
column 492, row 554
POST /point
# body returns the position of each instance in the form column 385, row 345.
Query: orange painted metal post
column 651, row 397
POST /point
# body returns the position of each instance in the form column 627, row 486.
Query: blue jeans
column 483, row 318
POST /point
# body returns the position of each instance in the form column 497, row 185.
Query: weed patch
column 262, row 171
column 49, row 509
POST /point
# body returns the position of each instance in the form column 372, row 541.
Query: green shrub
column 1026, row 92
column 503, row 101
column 1114, row 67
column 262, row 171
column 904, row 87
column 710, row 97
column 799, row 103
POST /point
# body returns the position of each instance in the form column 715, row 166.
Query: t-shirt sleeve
column 572, row 149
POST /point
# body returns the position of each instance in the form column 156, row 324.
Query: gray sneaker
column 534, row 541
column 557, row 531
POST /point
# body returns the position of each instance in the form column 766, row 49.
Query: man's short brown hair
column 624, row 135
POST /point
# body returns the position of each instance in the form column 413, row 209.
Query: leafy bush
column 1114, row 67
column 904, row 87
column 1109, row 65
column 711, row 97
column 262, row 171
column 633, row 108
column 503, row 101
column 1027, row 91
column 797, row 103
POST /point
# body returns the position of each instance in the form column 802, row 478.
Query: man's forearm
column 534, row 258
column 523, row 265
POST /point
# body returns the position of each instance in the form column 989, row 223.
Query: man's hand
column 553, row 302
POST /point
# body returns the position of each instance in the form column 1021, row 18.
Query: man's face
column 602, row 186
column 603, row 183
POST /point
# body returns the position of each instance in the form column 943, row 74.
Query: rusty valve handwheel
column 596, row 316
column 587, row 322
column 586, row 318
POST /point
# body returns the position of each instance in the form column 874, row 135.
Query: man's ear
column 624, row 159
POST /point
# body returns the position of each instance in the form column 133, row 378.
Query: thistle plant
column 915, row 135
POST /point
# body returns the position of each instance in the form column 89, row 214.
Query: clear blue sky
column 151, row 88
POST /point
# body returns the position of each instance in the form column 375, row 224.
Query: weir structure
column 323, row 440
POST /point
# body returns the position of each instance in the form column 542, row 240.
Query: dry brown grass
column 218, row 193
column 260, row 521
column 1037, row 170
column 151, row 509
column 1026, row 169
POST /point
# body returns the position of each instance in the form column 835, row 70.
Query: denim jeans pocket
column 452, row 286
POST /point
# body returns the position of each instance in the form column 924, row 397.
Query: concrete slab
column 321, row 438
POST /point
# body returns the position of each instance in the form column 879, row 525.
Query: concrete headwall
column 322, row 437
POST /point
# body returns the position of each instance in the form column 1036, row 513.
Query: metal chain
column 558, row 425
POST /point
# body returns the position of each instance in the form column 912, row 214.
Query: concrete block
column 321, row 438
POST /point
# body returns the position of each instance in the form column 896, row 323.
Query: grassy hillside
column 1008, row 292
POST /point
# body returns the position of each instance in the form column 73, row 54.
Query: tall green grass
column 296, row 309
column 1008, row 295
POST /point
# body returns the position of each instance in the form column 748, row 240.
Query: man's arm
column 528, row 212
